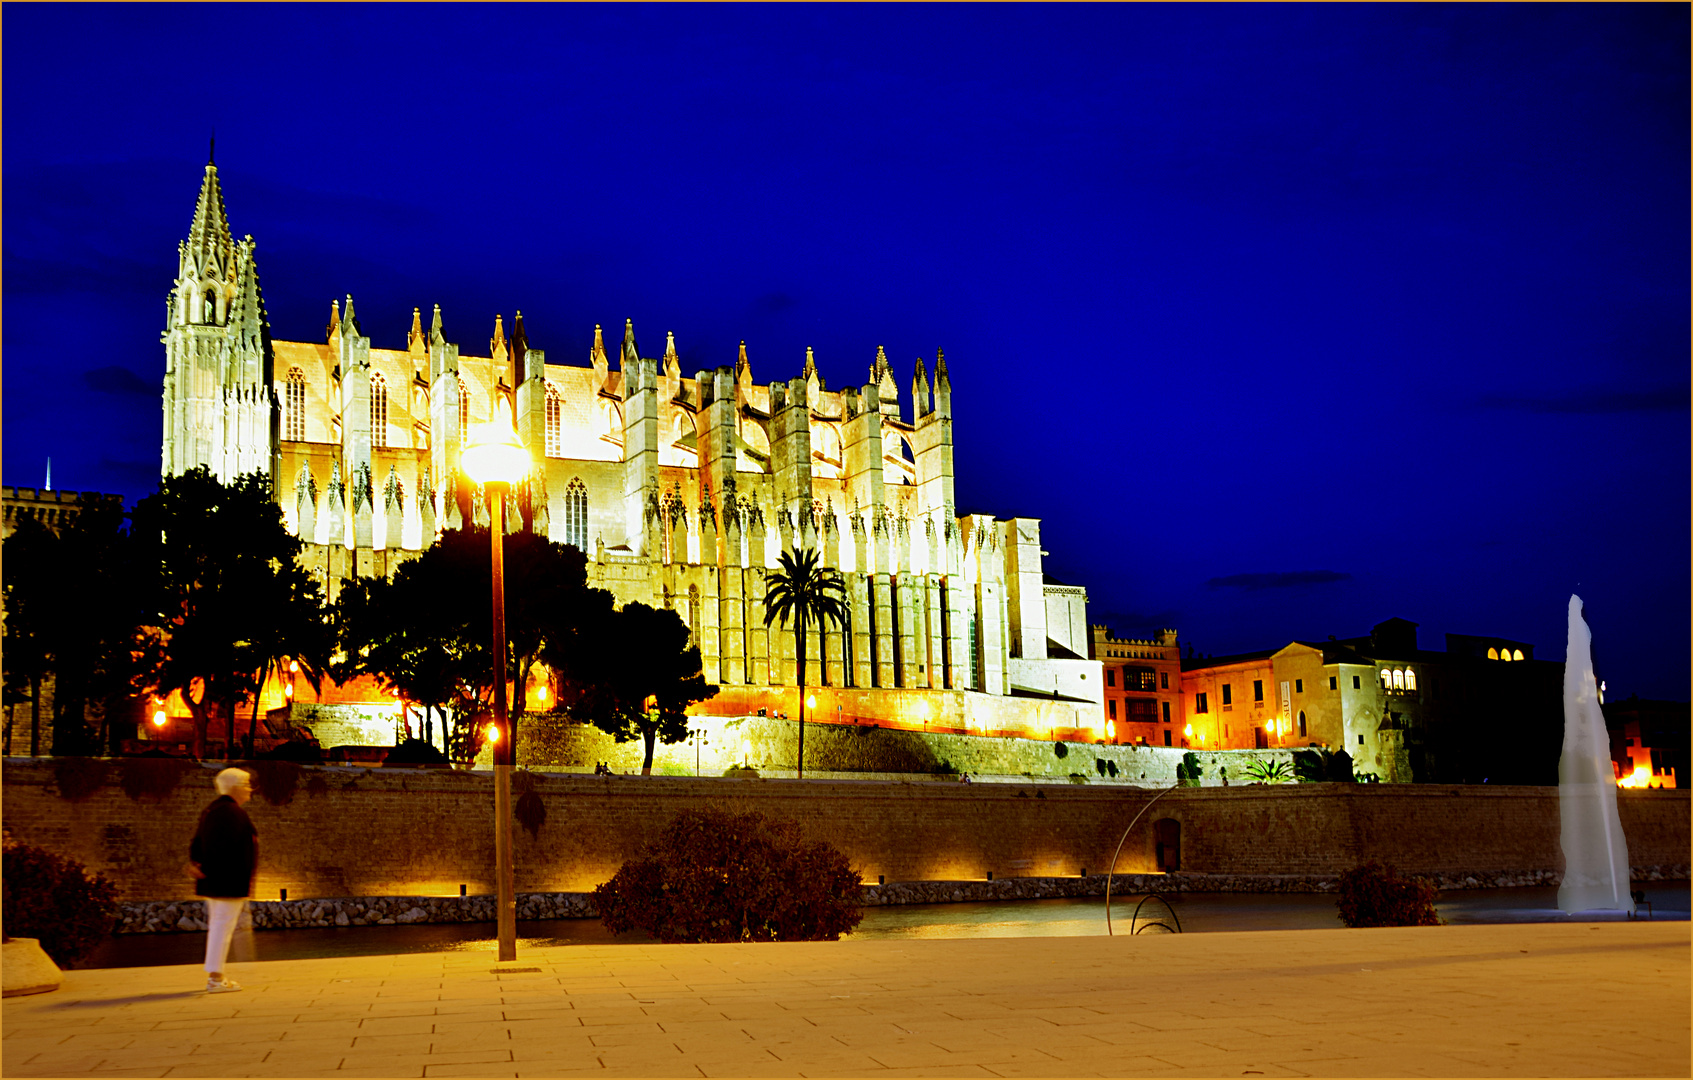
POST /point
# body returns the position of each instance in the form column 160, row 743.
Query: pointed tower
column 919, row 391
column 640, row 448
column 220, row 408
column 531, row 421
column 597, row 360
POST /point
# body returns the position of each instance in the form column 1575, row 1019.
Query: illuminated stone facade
column 682, row 489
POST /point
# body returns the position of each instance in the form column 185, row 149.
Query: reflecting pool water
column 1081, row 917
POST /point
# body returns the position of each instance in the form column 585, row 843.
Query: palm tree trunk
column 800, row 653
column 253, row 724
column 34, row 717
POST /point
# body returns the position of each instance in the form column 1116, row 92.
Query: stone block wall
column 346, row 832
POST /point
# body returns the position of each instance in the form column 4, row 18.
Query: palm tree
column 808, row 593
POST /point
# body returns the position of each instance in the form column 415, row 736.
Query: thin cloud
column 120, row 381
column 1287, row 579
column 1660, row 399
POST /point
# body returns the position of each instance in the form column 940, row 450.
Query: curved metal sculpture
column 1134, row 920
column 1111, row 872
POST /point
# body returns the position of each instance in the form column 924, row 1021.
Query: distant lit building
column 54, row 509
column 1143, row 686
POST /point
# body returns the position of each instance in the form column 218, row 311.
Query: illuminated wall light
column 811, row 701
column 158, row 718
column 293, row 666
column 287, row 691
column 493, row 733
column 541, row 693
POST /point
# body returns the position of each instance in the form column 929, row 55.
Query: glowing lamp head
column 159, row 718
column 1188, row 731
column 811, row 701
column 493, row 734
column 293, row 666
column 540, row 693
column 287, row 691
column 494, row 456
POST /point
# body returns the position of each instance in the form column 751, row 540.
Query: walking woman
column 222, row 857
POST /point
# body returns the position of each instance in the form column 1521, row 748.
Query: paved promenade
column 1610, row 999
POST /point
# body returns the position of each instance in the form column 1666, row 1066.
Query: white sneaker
column 227, row 986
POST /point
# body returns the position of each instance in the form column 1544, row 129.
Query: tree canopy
column 636, row 677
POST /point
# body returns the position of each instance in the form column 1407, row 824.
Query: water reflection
column 1079, row 917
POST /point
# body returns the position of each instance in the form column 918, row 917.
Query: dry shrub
column 1374, row 895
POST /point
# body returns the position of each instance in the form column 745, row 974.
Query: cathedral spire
column 880, row 366
column 810, row 368
column 920, row 390
column 246, row 310
column 497, row 343
column 349, row 321
column 208, row 233
column 519, row 347
column 672, row 362
column 940, row 370
column 333, row 330
column 743, row 366
column 631, row 355
column 415, row 339
column 596, row 355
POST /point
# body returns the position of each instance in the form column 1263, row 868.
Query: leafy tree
column 28, row 592
column 800, row 589
column 718, row 876
column 1317, row 765
column 636, row 676
column 227, row 592
column 428, row 632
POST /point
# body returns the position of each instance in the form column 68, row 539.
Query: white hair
column 230, row 779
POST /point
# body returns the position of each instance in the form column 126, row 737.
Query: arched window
column 1492, row 653
column 464, row 413
column 555, row 422
column 294, row 406
column 1517, row 654
column 1398, row 679
column 1301, row 723
column 378, row 410
column 1410, row 679
column 576, row 514
column 210, row 306
column 1386, row 679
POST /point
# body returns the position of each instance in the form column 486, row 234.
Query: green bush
column 1374, row 895
column 719, row 876
column 1187, row 770
column 53, row 899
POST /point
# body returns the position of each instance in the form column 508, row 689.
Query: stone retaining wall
column 189, row 915
column 340, row 831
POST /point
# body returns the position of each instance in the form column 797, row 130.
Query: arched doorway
column 1167, row 844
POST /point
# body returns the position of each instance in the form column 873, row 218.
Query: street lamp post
column 497, row 460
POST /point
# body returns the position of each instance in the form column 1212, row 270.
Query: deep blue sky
column 1284, row 320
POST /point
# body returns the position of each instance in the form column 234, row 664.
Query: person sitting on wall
column 222, row 857
column 963, row 778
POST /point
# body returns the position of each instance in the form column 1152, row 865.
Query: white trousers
column 221, row 919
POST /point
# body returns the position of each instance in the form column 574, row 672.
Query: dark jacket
column 226, row 846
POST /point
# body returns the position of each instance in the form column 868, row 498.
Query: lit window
column 1410, row 679
column 1398, row 679
column 1386, row 679
column 555, row 422
column 1492, row 653
column 576, row 514
column 1517, row 654
column 378, row 410
column 294, row 406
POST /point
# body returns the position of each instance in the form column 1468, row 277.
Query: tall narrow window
column 1302, row 724
column 464, row 413
column 576, row 514
column 1398, row 679
column 975, row 656
column 1410, row 679
column 555, row 422
column 1386, row 679
column 294, row 406
column 378, row 410
column 1201, row 704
